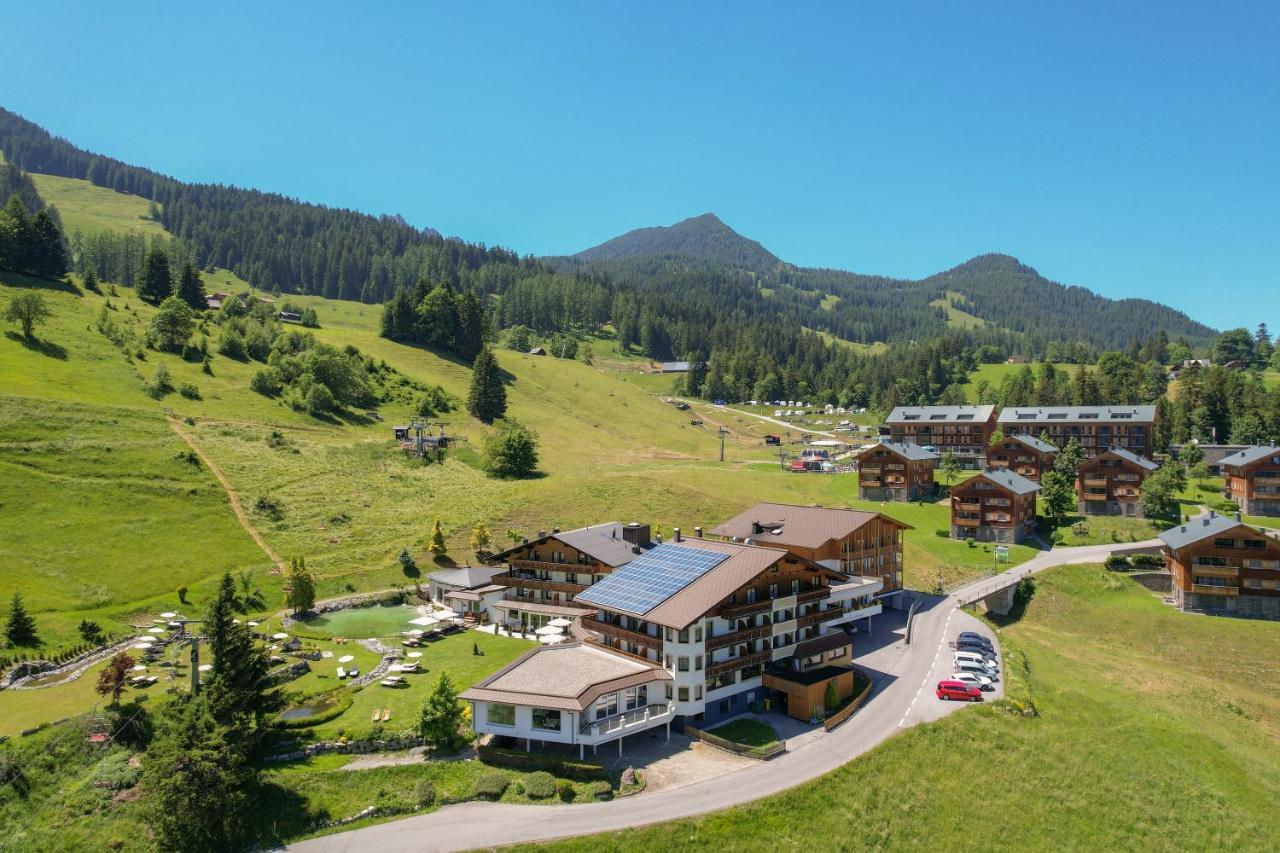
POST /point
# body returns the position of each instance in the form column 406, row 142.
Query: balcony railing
column 547, row 566
column 1216, row 571
column 601, row 644
column 627, row 719
column 741, row 636
column 523, row 581
column 1209, row 589
column 967, row 522
column 812, row 593
column 620, row 633
column 736, row 610
column 971, row 506
column 739, row 662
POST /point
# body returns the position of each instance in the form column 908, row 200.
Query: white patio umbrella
column 143, row 646
column 346, row 658
column 168, row 614
column 205, row 667
column 253, row 624
column 280, row 636
column 445, row 613
column 549, row 630
column 414, row 654
column 155, row 630
column 552, row 639
column 560, row 622
column 139, row 667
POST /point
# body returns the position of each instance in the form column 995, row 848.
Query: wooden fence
column 760, row 752
column 854, row 704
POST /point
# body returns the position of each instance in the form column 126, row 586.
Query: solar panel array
column 651, row 579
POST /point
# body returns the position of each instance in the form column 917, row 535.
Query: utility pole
column 194, row 640
column 723, row 432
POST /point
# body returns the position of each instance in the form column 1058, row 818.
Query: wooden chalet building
column 896, row 471
column 994, row 506
column 1251, row 478
column 1111, row 483
column 864, row 544
column 1022, row 454
column 544, row 575
column 1097, row 428
column 964, row 430
column 1221, row 565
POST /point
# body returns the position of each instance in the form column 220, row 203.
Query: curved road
column 892, row 706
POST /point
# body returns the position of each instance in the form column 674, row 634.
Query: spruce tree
column 440, row 720
column 438, row 545
column 156, row 282
column 191, row 288
column 487, row 399
column 20, row 630
column 239, row 688
column 48, row 246
column 299, row 587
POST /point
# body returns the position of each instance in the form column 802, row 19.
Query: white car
column 979, row 681
column 977, row 669
column 975, row 658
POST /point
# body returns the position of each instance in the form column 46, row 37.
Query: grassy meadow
column 1157, row 730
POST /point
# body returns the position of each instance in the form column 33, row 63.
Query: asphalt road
column 903, row 697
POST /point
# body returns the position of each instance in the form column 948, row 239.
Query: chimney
column 555, row 530
column 697, row 531
column 676, row 533
column 1238, row 518
column 542, row 534
column 636, row 533
column 1184, row 528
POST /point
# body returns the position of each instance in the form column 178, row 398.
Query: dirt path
column 241, row 516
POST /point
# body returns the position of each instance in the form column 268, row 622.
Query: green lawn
column 1153, row 726
column 1104, row 529
column 87, row 208
column 748, row 732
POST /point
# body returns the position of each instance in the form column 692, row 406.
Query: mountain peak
column 705, row 237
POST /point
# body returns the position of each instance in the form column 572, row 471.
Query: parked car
column 973, row 637
column 985, row 651
column 975, row 657
column 952, row 689
column 977, row 669
column 979, row 681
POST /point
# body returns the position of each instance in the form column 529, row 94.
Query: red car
column 958, row 690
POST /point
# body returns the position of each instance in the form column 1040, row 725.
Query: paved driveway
column 903, row 676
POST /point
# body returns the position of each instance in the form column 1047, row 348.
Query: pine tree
column 156, row 282
column 480, row 541
column 511, row 453
column 191, row 288
column 440, row 719
column 1057, row 495
column 299, row 587
column 20, row 630
column 487, row 399
column 48, row 246
column 15, row 236
column 91, row 282
column 239, row 688
column 438, row 545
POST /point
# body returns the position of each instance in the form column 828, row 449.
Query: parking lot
column 926, row 705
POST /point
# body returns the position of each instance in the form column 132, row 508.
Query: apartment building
column 1251, row 478
column 964, row 430
column 855, row 542
column 718, row 616
column 544, row 575
column 896, row 471
column 994, row 506
column 469, row 590
column 1022, row 454
column 1221, row 565
column 1111, row 483
column 1097, row 428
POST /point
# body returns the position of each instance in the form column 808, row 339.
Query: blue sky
column 1132, row 149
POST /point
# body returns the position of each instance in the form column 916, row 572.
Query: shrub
column 491, row 786
column 391, row 802
column 566, row 791
column 540, row 785
column 1118, row 563
column 970, row 541
column 190, row 391
column 231, row 344
column 267, row 382
column 269, row 507
column 425, row 794
column 1149, row 561
column 567, row 768
column 601, row 790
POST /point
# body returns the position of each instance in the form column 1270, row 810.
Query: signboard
column 1002, row 553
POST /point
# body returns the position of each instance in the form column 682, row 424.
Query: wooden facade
column 1096, row 428
column 989, row 511
column 887, row 474
column 1111, row 484
column 1014, row 455
column 964, row 430
column 1236, row 570
column 1255, row 485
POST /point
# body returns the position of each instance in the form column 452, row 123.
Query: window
column 697, row 663
column 684, row 635
column 697, row 634
column 697, row 692
column 682, row 663
column 836, row 653
column 667, row 662
column 607, row 706
column 1254, row 543
column 773, row 590
column 795, row 585
column 502, row 715
column 546, row 719
column 670, row 635
column 751, row 595
column 682, row 694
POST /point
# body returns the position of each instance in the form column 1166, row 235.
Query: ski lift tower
column 194, row 641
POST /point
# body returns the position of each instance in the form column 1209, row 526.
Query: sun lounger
column 342, row 673
column 377, row 715
column 386, row 714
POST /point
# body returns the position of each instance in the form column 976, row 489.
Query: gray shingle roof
column 1016, row 483
column 466, row 577
column 1198, row 528
column 569, row 676
column 1250, row 454
column 1033, row 442
column 940, row 414
column 1130, row 456
column 601, row 542
column 801, row 526
column 1050, row 414
column 908, row 451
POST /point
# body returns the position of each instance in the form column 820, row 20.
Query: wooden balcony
column 620, row 633
column 1095, row 483
column 519, row 581
column 822, row 616
column 746, row 634
column 718, row 669
column 733, row 612
column 1206, row 589
column 546, row 566
column 968, row 506
column 967, row 522
column 1216, row 571
column 598, row 643
column 812, row 594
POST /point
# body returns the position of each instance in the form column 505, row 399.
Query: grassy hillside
column 1157, row 730
column 957, row 317
column 87, row 208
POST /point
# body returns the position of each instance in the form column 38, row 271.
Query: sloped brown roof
column 801, row 526
column 603, row 542
column 568, row 676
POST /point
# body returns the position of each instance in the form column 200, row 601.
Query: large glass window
column 546, row 719
column 607, row 706
column 502, row 715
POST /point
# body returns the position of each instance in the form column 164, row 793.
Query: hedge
column 491, row 786
column 540, row 785
column 567, row 768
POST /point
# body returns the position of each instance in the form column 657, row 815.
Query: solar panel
column 651, row 579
